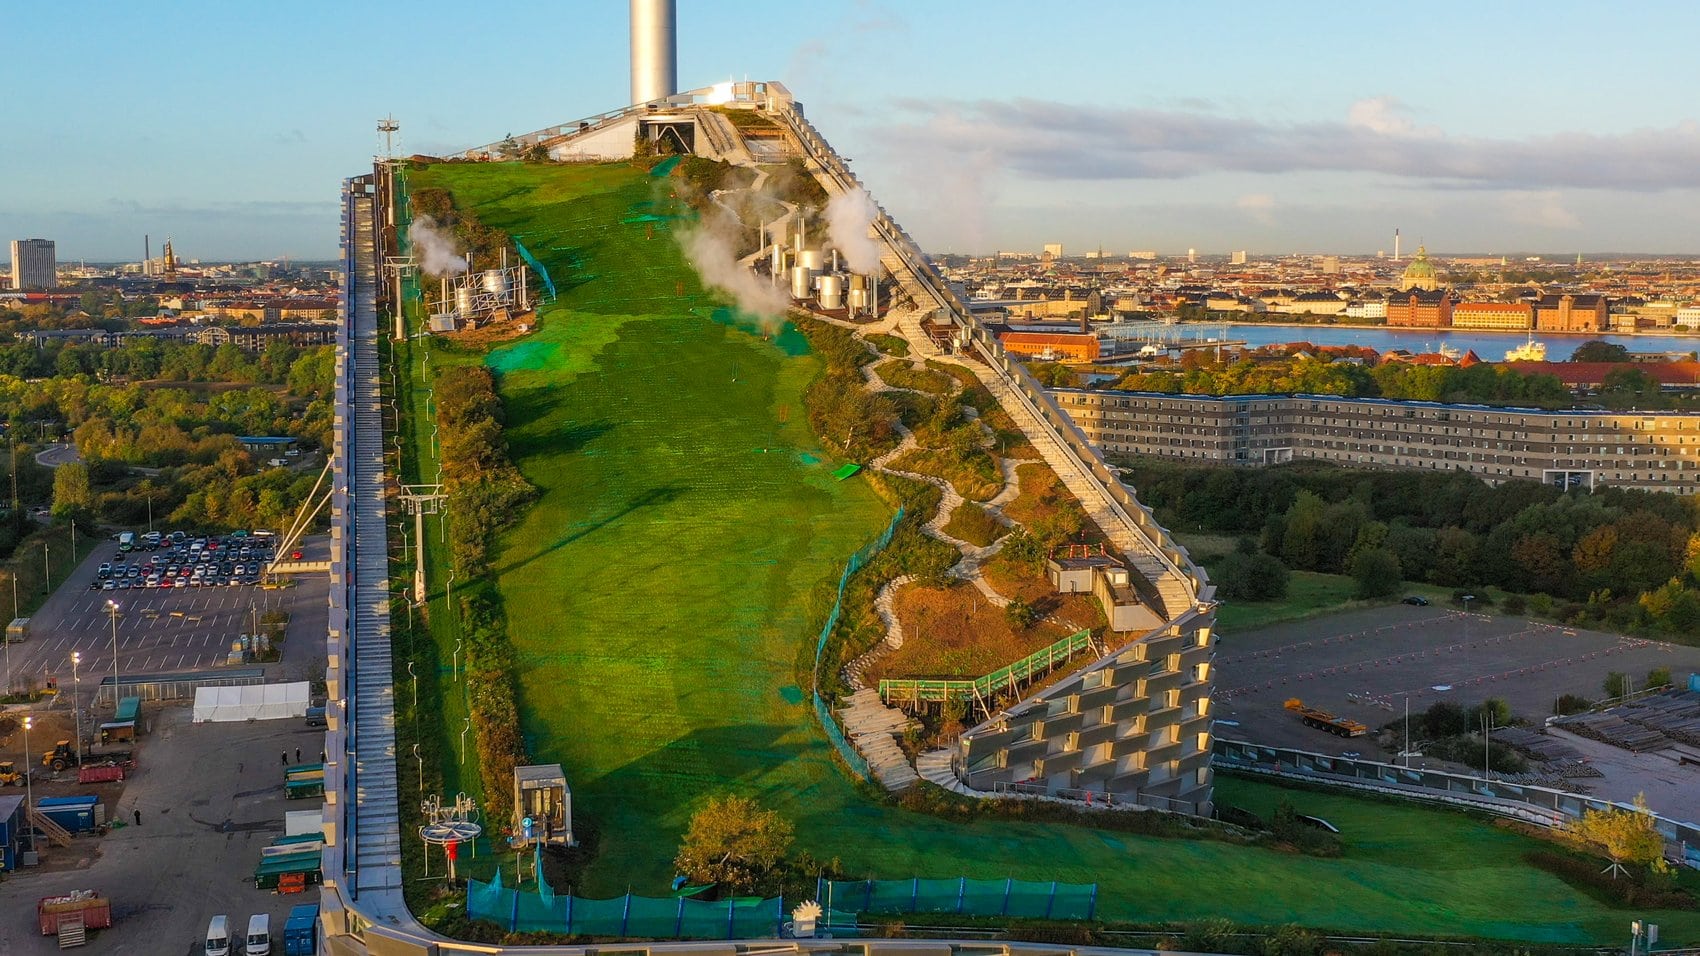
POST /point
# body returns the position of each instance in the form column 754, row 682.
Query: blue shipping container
column 300, row 934
column 75, row 814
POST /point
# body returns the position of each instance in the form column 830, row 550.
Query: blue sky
column 1276, row 127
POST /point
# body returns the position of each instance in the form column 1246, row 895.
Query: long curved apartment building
column 1574, row 448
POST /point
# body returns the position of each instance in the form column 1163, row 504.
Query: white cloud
column 1043, row 140
column 1543, row 209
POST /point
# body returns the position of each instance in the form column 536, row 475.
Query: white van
column 259, row 941
column 218, row 936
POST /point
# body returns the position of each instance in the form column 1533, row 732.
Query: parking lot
column 157, row 629
column 1365, row 665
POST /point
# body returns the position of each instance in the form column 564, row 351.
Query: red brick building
column 1052, row 346
column 1571, row 313
column 1420, row 309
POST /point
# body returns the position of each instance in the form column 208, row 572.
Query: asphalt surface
column 1365, row 665
column 211, row 796
column 159, row 630
column 61, row 453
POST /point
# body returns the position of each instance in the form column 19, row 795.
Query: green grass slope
column 656, row 594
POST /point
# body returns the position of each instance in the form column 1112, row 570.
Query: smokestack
column 147, row 254
column 655, row 50
column 1395, row 245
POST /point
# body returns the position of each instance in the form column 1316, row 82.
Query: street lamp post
column 77, row 702
column 463, row 731
column 112, row 609
column 29, row 787
column 46, row 571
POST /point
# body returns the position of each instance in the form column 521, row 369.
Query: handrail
column 985, row 684
column 1068, row 437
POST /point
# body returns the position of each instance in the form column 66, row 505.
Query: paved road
column 158, row 629
column 211, row 797
column 60, row 453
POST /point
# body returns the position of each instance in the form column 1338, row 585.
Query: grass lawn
column 656, row 595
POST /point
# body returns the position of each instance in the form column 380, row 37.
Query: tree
column 1021, row 614
column 1624, row 835
column 1616, row 684
column 71, row 489
column 1598, row 350
column 731, row 840
column 1251, row 577
column 1377, row 573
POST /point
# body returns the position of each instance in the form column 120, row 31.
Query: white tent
column 251, row 702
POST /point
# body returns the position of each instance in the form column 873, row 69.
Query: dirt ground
column 956, row 632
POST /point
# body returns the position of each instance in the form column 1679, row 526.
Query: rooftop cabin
column 541, row 796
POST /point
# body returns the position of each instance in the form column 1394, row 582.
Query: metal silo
column 802, row 281
column 831, row 291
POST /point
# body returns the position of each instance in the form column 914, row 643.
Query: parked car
column 1415, row 600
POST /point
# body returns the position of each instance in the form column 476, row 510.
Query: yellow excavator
column 9, row 775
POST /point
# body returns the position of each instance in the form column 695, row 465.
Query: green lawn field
column 656, row 594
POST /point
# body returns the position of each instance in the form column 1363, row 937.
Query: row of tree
column 1630, row 558
column 1320, row 375
column 486, row 491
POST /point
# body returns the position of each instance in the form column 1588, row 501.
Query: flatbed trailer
column 1325, row 721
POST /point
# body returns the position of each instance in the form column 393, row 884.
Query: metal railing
column 983, row 687
column 1068, row 437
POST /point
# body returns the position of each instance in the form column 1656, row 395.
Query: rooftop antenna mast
column 389, row 127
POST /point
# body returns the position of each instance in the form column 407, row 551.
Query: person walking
column 283, row 758
column 138, row 813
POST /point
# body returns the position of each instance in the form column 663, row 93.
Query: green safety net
column 635, row 917
column 846, row 471
column 1043, row 900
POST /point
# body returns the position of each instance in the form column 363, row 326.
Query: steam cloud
column 436, row 250
column 848, row 216
column 710, row 250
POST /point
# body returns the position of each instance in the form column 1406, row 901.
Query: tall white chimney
column 655, row 50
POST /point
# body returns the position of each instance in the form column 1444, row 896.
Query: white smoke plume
column 710, row 250
column 848, row 216
column 435, row 248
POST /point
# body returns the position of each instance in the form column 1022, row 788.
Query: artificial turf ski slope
column 656, row 594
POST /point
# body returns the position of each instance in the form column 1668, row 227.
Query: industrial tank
column 859, row 298
column 463, row 300
column 495, row 281
column 811, row 258
column 802, row 281
column 831, row 291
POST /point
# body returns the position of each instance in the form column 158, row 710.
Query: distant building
column 1571, row 313
column 1238, row 258
column 1053, row 346
column 35, row 264
column 1051, row 250
column 1418, row 309
column 1420, row 274
column 1367, row 309
column 1330, row 265
column 1570, row 448
column 1493, row 315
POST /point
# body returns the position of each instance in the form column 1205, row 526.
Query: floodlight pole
column 29, row 785
column 1407, row 731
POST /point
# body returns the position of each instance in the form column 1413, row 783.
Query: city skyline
column 1305, row 129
